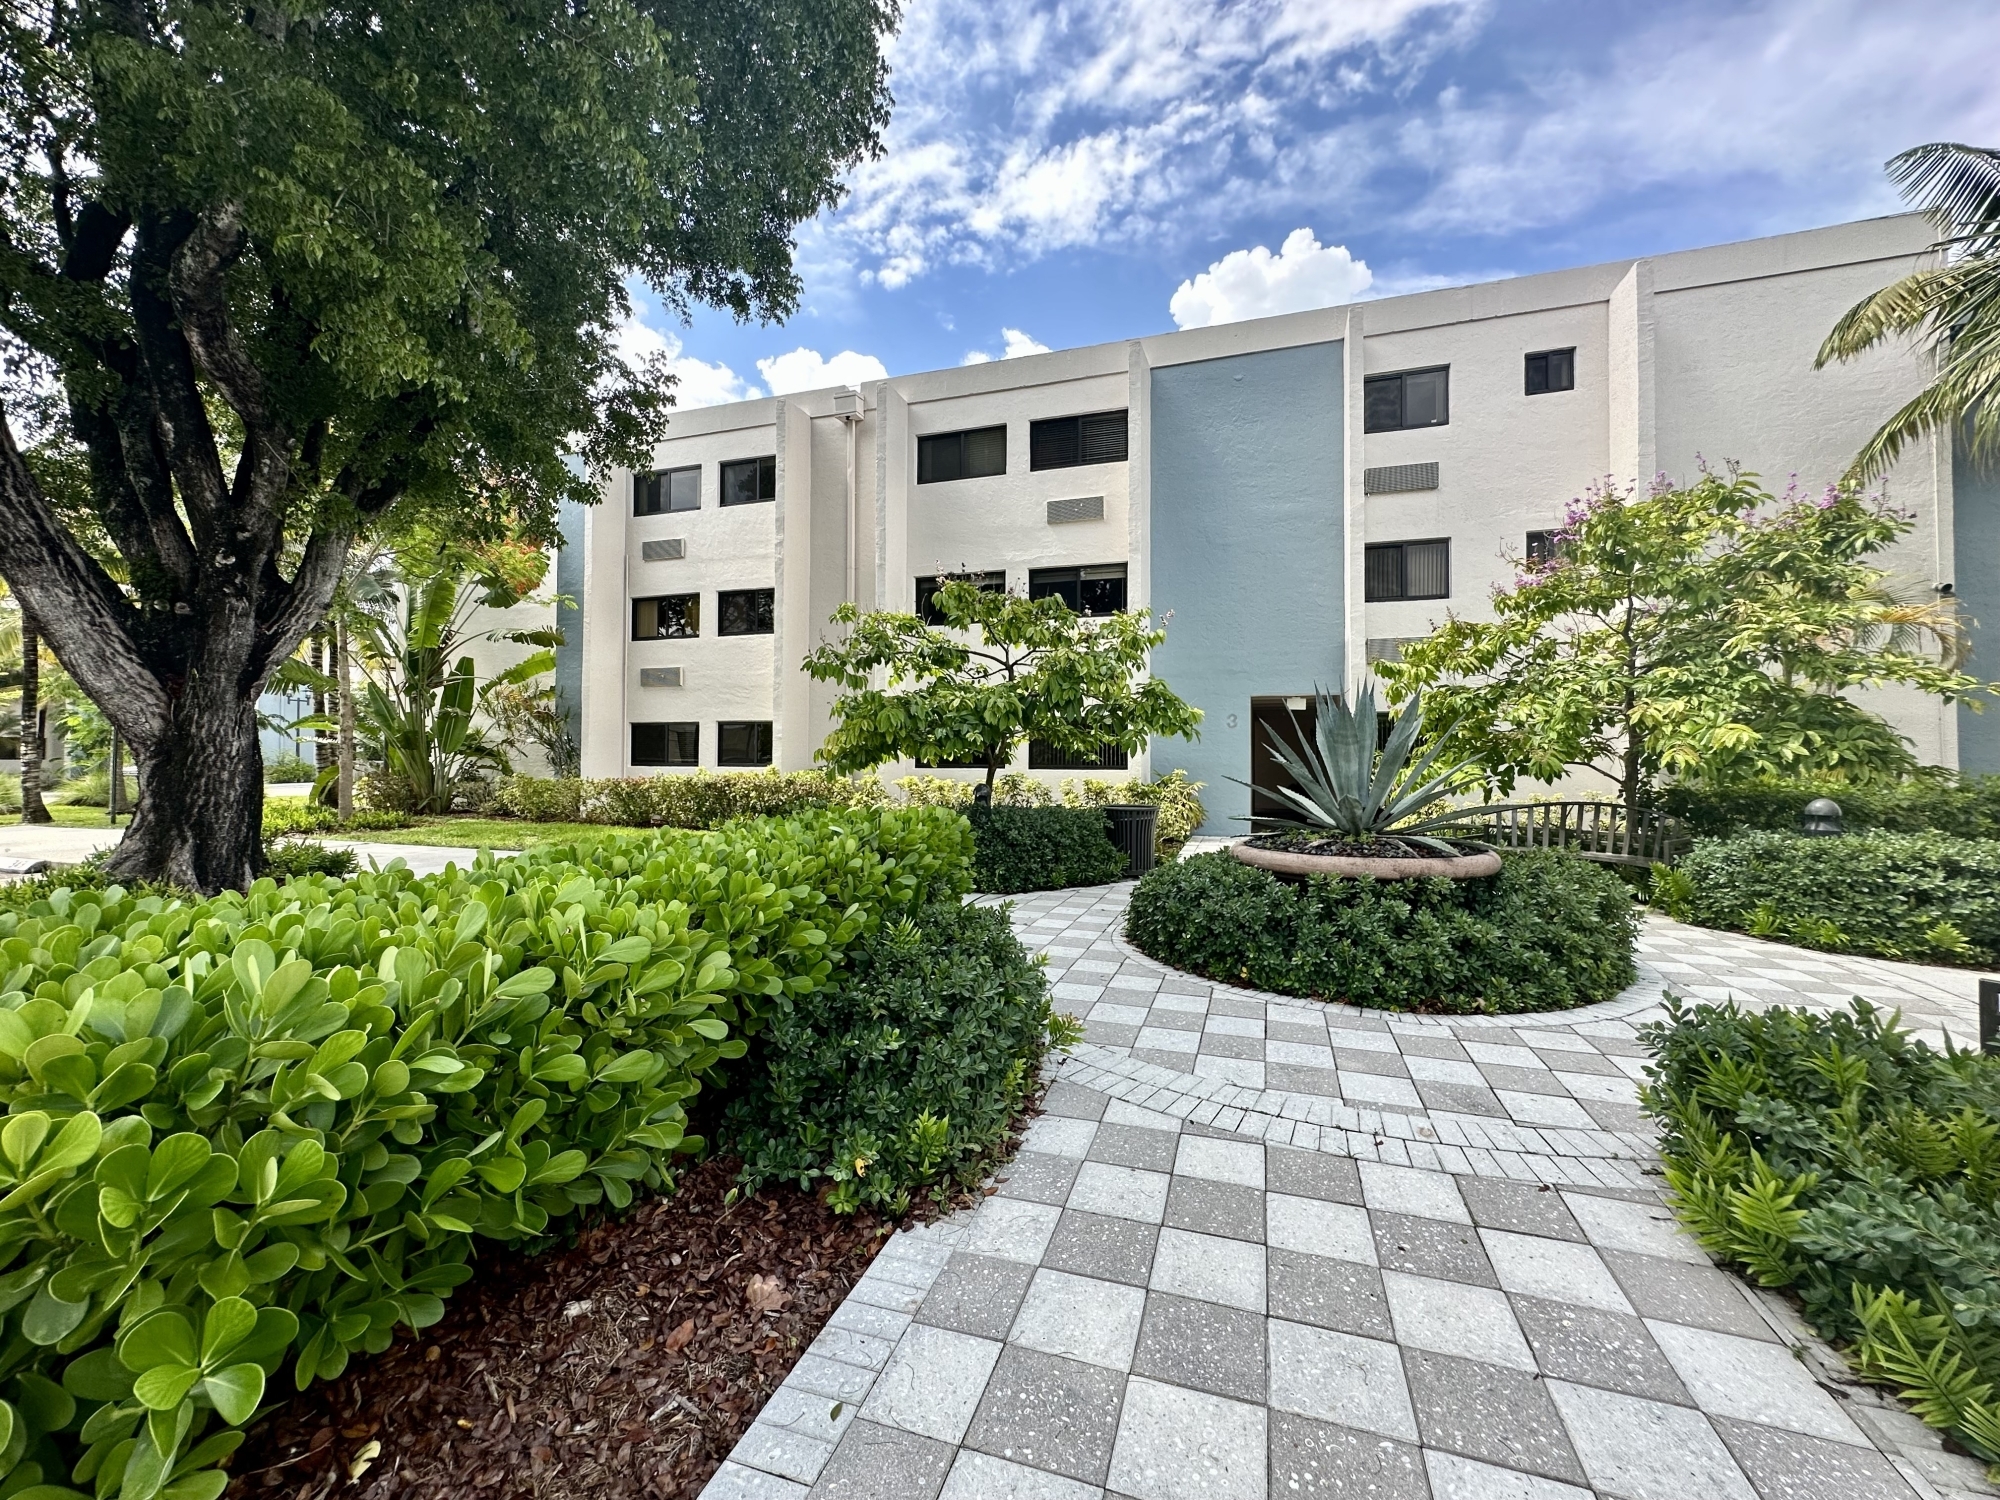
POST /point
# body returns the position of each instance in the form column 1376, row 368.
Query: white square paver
column 1166, row 1039
column 1240, row 1162
column 1176, row 1444
column 1558, row 1270
column 1647, row 1450
column 1506, row 1057
column 1449, row 1317
column 933, row 1383
column 1012, row 1229
column 1234, row 1026
column 978, row 1476
column 1545, row 1109
column 1237, row 1070
column 1115, row 1014
column 1080, row 1317
column 1408, row 1190
column 1339, row 1378
column 1339, row 1231
column 1377, row 1088
column 1752, row 1380
column 1057, row 1136
column 1121, row 1192
column 1298, row 1054
column 1210, row 1268
column 735, row 1482
column 1444, row 1070
column 1642, row 1228
column 1601, row 1086
column 1455, row 1478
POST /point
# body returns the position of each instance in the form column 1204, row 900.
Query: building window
column 1551, row 370
column 1414, row 398
column 978, row 454
column 748, row 480
column 669, row 617
column 1066, row 442
column 666, row 490
column 992, row 582
column 1409, row 570
column 746, row 612
column 666, row 744
column 743, row 742
column 1087, row 591
column 1543, row 546
column 1043, row 757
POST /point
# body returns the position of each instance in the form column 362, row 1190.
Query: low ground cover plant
column 1833, row 1155
column 1041, row 849
column 285, row 816
column 1550, row 931
column 1922, row 896
column 1934, row 799
column 252, row 1135
column 906, row 1072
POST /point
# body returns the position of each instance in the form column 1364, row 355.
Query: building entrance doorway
column 1295, row 721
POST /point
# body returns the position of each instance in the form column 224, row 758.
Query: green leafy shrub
column 93, row 789
column 1875, row 892
column 905, row 1074
column 696, row 799
column 1041, row 849
column 543, row 799
column 1177, row 798
column 286, row 859
column 261, row 1132
column 1934, row 800
column 1834, row 1155
column 1550, row 931
column 290, row 767
column 1010, row 789
column 10, row 794
column 295, row 815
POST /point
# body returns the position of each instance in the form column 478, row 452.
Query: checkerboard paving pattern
column 1259, row 1248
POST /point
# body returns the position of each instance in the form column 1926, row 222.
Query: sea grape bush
column 252, row 1135
column 697, row 799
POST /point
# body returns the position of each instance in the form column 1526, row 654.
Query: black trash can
column 1132, row 829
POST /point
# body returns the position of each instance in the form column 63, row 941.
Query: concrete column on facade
column 892, row 499
column 1138, row 501
column 792, row 739
column 1632, row 418
column 1354, row 494
column 1944, row 564
column 606, row 611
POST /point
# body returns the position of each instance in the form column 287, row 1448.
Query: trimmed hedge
column 1924, row 896
column 1834, row 1155
column 1935, row 800
column 697, row 799
column 1019, row 849
column 1549, row 932
column 908, row 1071
column 262, row 1131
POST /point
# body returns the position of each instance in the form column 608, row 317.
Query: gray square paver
column 1752, row 1381
column 1522, row 1207
column 1215, row 1208
column 1431, row 1247
column 1313, row 1226
column 1594, row 1347
column 1122, row 1192
column 1080, row 1318
column 1642, row 1228
column 1310, row 1458
column 1204, row 1345
column 1340, row 1378
column 1107, row 1248
column 1210, row 1268
column 1406, row 1190
column 980, row 1476
column 932, row 1383
column 1326, row 1293
column 1698, row 1296
column 1129, row 1146
column 1456, row 1478
column 976, row 1294
column 1178, row 1444
column 1049, row 1413
column 1038, row 1177
column 1554, row 1269
column 1448, row 1318
column 1792, row 1466
column 1488, row 1412
column 884, row 1463
column 1312, row 1174
column 1011, row 1228
column 1645, row 1450
column 1213, row 1160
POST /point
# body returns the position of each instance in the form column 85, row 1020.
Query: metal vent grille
column 1393, row 479
column 666, row 549
column 1086, row 508
column 659, row 677
column 1389, row 647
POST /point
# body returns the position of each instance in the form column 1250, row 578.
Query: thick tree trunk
column 33, row 810
column 344, row 783
column 200, row 818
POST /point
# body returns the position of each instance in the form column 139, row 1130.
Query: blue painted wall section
column 569, row 617
column 1976, row 581
column 1247, row 550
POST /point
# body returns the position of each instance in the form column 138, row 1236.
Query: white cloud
column 1013, row 344
column 809, row 370
column 696, row 382
column 1257, row 284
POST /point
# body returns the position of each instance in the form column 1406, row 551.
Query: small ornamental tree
column 1000, row 669
column 1707, row 632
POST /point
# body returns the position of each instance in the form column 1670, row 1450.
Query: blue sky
column 1063, row 172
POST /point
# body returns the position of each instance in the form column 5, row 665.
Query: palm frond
column 1957, row 185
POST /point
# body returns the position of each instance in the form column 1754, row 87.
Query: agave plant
column 1347, row 789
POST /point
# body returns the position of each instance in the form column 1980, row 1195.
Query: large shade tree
column 295, row 272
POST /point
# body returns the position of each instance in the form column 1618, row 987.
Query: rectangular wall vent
column 1085, row 508
column 659, row 677
column 1394, row 479
column 665, row 549
column 1389, row 647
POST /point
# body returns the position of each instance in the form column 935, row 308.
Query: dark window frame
column 1044, row 583
column 1373, row 595
column 1374, row 391
column 723, row 728
column 767, row 479
column 1542, row 546
column 658, row 484
column 693, row 630
column 1109, row 757
column 1556, row 365
column 674, row 736
column 955, row 451
column 769, row 613
column 992, row 580
column 1075, row 442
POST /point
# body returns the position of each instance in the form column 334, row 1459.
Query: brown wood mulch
column 627, row 1365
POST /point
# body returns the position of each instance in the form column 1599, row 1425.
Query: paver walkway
column 1258, row 1247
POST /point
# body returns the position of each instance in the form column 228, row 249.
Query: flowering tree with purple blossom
column 1709, row 632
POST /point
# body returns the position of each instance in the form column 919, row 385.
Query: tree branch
column 304, row 600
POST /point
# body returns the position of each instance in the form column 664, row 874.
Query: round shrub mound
column 1928, row 897
column 1550, row 931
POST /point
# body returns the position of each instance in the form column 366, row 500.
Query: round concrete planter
column 1357, row 867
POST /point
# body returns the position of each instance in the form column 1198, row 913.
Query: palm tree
column 1953, row 303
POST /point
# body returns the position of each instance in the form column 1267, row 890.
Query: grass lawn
column 71, row 817
column 486, row 833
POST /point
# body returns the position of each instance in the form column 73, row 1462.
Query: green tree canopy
column 999, row 670
column 295, row 272
column 1707, row 632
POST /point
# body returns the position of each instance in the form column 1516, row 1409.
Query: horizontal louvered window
column 1067, row 442
column 1408, row 570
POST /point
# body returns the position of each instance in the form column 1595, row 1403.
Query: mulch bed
column 627, row 1365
